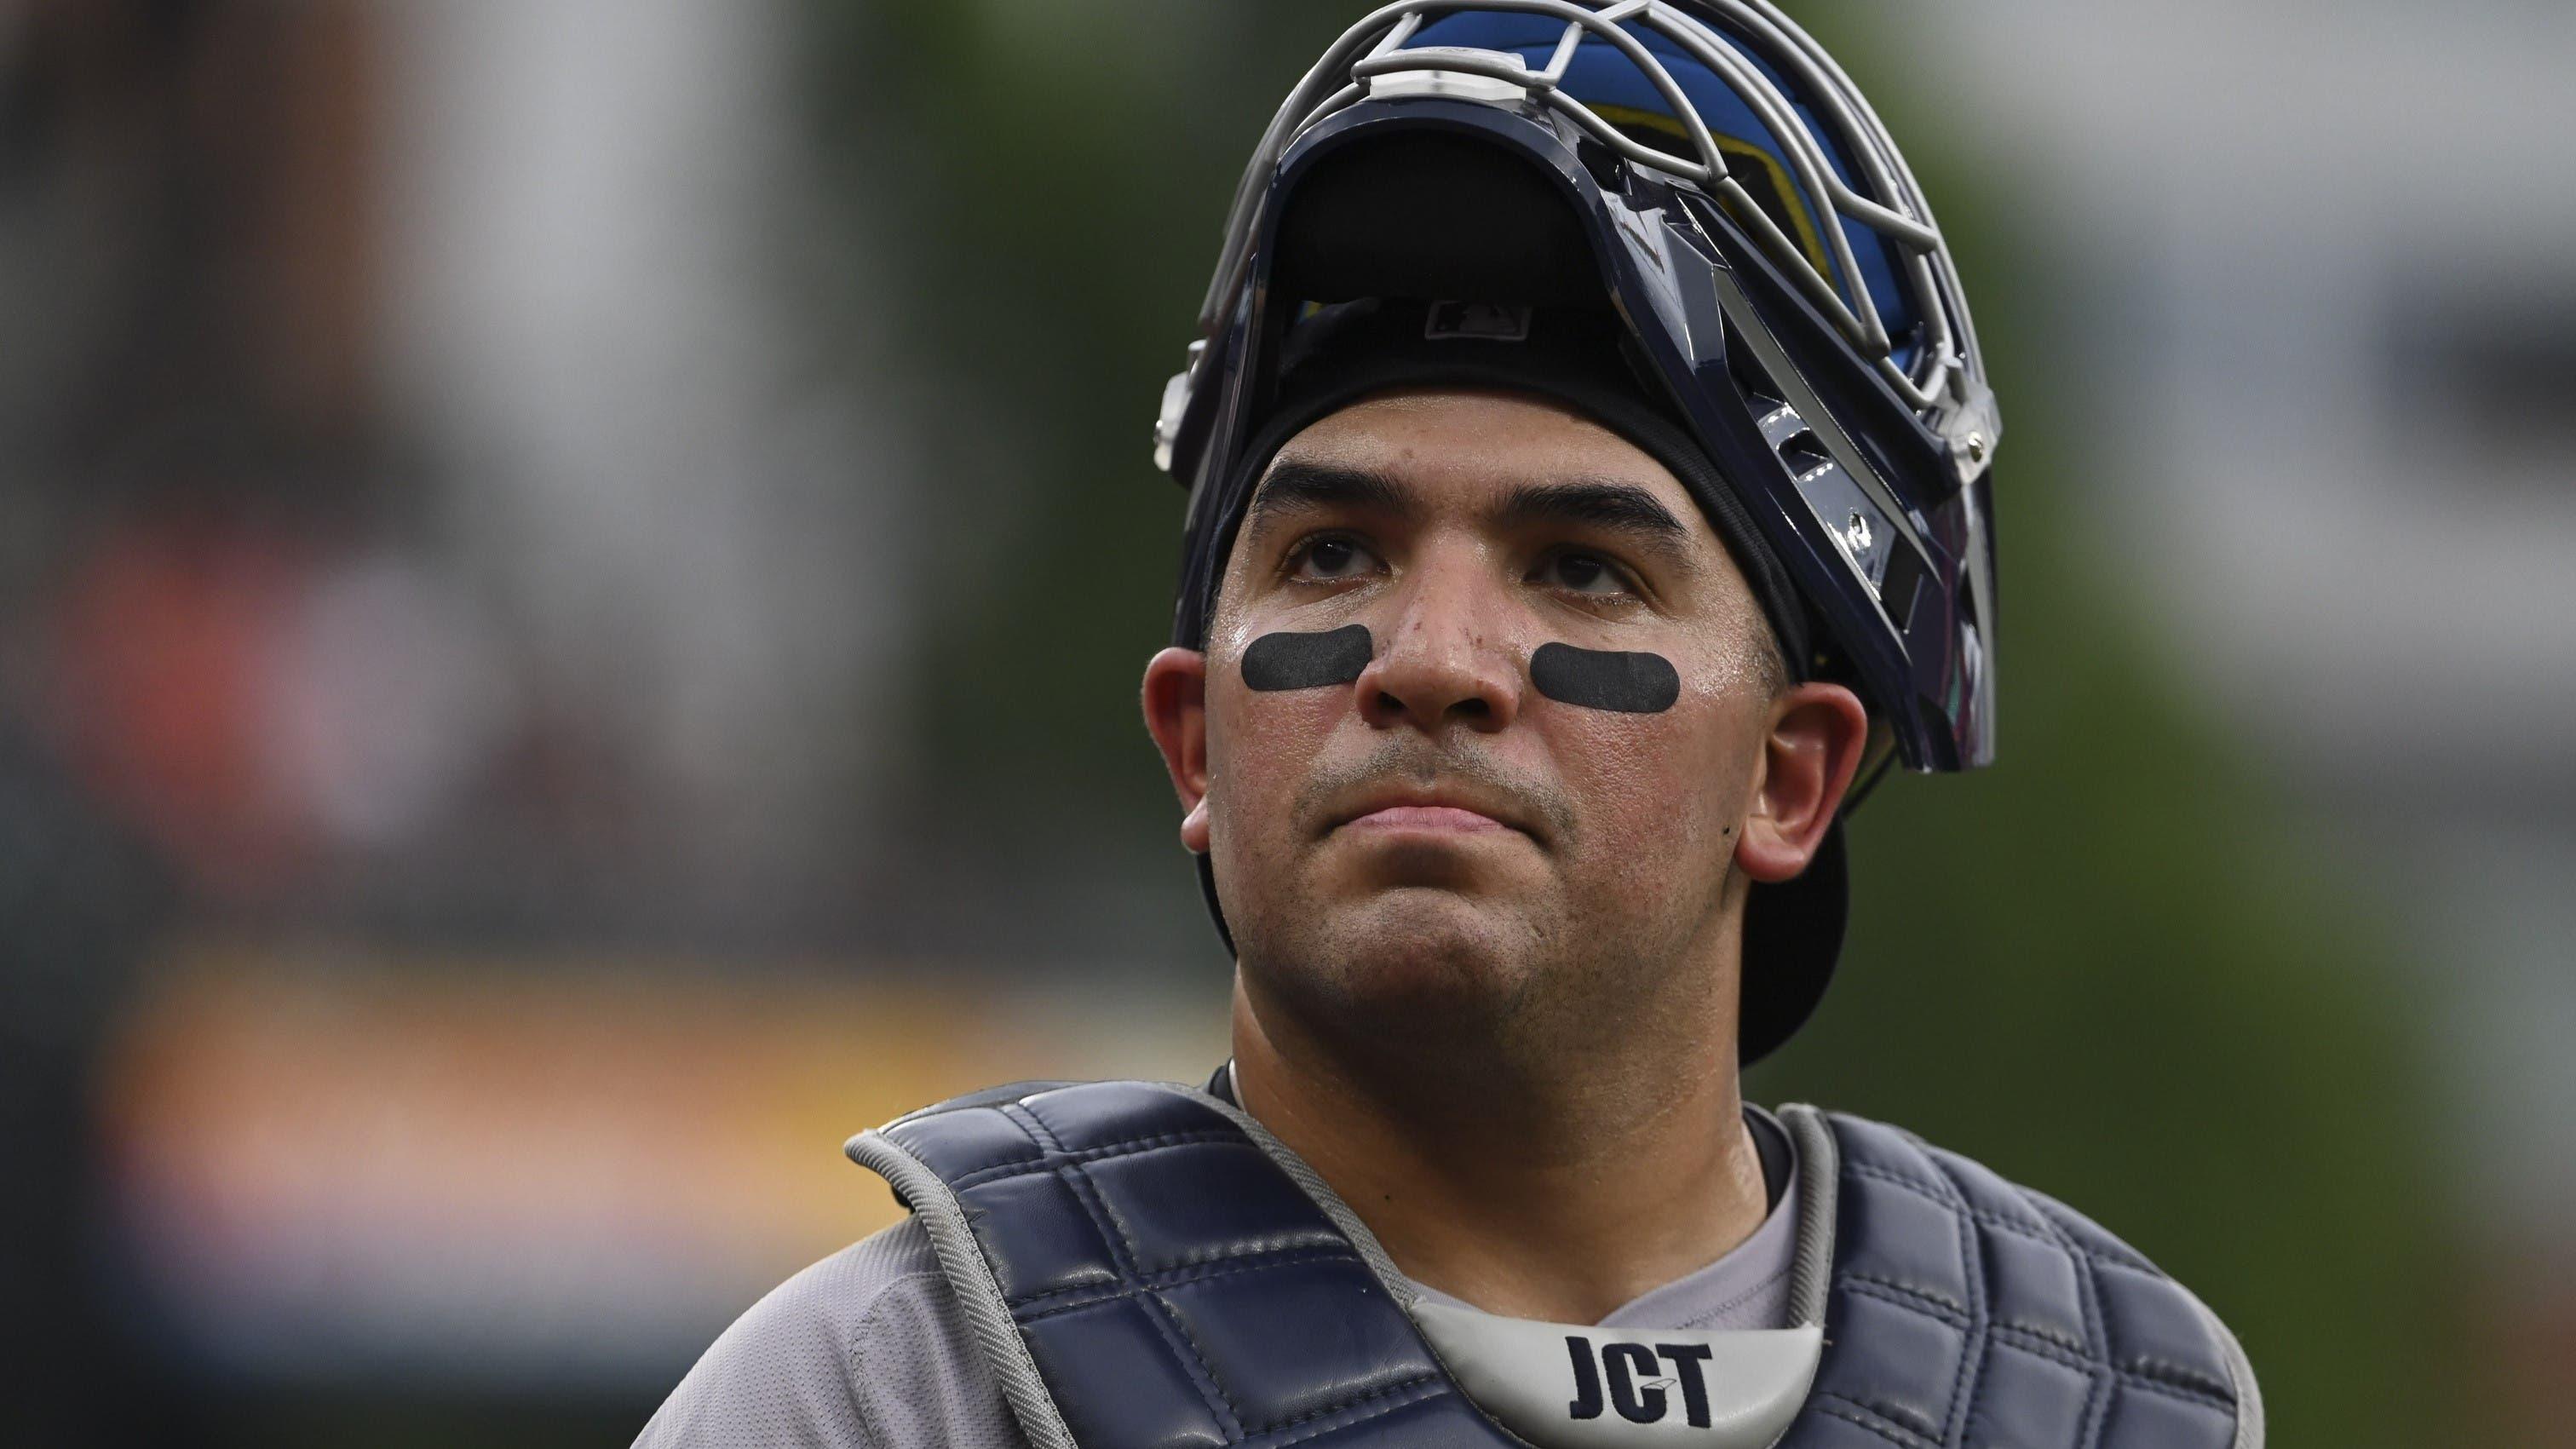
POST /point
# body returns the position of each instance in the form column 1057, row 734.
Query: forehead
column 1463, row 446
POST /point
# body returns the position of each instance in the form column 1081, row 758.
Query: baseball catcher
column 1588, row 461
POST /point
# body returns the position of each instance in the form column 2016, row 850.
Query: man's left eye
column 1583, row 573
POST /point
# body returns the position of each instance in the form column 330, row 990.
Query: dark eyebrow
column 1622, row 508
column 1294, row 487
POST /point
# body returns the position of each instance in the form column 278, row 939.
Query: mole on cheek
column 1602, row 679
column 1308, row 661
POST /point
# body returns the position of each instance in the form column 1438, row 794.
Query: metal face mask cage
column 1862, row 453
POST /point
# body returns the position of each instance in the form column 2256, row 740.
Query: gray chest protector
column 1147, row 1268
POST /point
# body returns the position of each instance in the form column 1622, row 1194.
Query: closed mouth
column 1451, row 819
column 1439, row 809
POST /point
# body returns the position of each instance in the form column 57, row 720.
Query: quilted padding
column 1175, row 1287
column 1967, row 1313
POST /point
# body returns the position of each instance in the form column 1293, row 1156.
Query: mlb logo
column 1477, row 322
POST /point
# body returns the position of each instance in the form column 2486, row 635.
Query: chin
column 1424, row 961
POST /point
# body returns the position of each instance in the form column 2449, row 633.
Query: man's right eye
column 1326, row 560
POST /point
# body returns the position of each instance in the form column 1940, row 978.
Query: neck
column 1556, row 1195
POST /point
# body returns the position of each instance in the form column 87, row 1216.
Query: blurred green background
column 574, row 576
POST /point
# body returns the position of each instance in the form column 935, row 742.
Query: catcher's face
column 1488, row 725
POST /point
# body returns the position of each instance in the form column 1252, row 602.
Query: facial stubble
column 1420, row 981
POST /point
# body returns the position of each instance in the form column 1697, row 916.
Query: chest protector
column 1147, row 1268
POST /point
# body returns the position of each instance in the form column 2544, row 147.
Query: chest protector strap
column 1146, row 1268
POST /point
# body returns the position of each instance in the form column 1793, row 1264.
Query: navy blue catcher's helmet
column 1693, row 199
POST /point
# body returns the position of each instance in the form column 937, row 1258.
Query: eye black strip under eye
column 1308, row 661
column 1600, row 679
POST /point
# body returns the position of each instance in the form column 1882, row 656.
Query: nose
column 1445, row 661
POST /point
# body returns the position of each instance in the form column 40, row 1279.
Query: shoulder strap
column 1143, row 1272
column 1962, row 1310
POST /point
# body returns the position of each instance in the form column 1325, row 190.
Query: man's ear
column 1176, row 716
column 1818, row 734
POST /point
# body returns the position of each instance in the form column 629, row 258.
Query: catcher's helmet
column 1699, row 183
